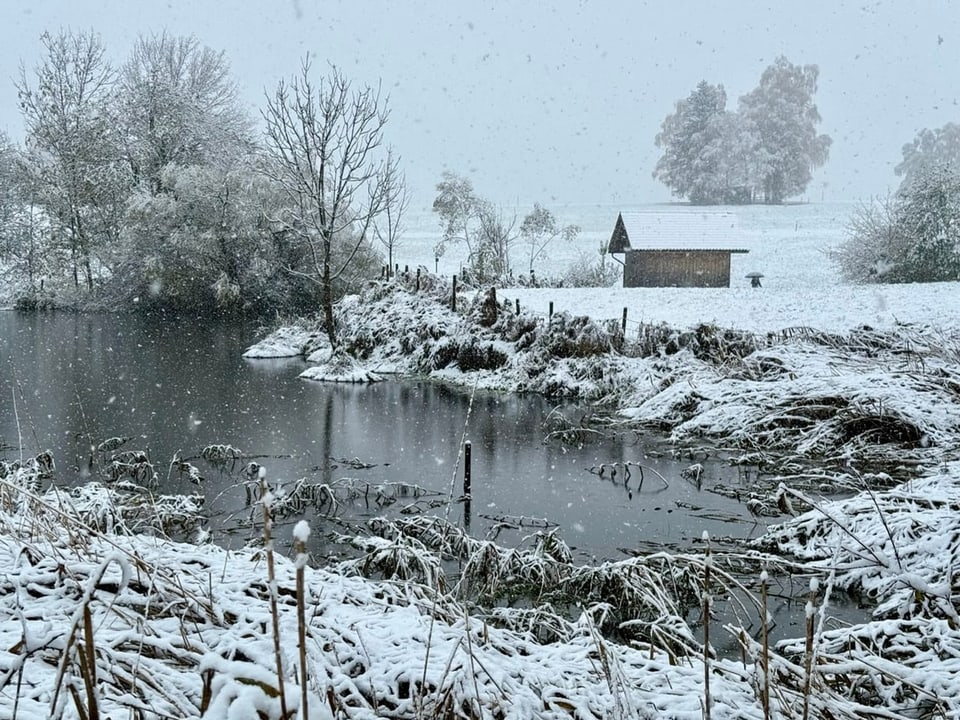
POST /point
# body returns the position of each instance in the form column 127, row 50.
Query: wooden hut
column 677, row 249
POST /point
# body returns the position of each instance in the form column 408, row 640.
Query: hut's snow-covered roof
column 677, row 231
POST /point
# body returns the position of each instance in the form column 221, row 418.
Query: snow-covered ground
column 789, row 245
column 831, row 308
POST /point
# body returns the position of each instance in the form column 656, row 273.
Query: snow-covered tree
column 71, row 161
column 785, row 118
column 200, row 242
column 931, row 147
column 459, row 208
column 191, row 230
column 691, row 139
column 8, row 196
column 539, row 229
column 179, row 106
column 326, row 155
column 488, row 233
column 490, row 260
column 928, row 213
column 913, row 236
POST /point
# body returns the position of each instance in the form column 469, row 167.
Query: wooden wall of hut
column 677, row 268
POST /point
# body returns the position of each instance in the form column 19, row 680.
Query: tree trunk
column 327, row 297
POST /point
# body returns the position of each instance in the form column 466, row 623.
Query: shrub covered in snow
column 913, row 236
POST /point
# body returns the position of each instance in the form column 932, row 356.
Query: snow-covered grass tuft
column 340, row 368
column 644, row 599
column 899, row 548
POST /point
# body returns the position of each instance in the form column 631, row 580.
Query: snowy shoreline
column 878, row 395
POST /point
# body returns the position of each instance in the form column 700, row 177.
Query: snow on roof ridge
column 702, row 230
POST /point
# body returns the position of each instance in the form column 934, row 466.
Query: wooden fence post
column 453, row 301
column 550, row 315
column 623, row 325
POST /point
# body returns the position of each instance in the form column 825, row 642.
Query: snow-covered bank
column 98, row 622
column 873, row 397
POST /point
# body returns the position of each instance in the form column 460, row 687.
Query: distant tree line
column 765, row 151
column 144, row 184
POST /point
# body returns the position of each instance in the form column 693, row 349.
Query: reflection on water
column 178, row 386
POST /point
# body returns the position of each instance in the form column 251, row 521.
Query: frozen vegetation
column 831, row 390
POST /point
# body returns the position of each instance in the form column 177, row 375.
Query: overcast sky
column 557, row 102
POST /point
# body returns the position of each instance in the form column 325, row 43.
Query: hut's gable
column 682, row 249
column 619, row 241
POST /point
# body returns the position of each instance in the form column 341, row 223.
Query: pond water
column 176, row 386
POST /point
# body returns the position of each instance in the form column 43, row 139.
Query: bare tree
column 325, row 140
column 489, row 234
column 390, row 226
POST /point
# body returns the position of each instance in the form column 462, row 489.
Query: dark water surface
column 180, row 385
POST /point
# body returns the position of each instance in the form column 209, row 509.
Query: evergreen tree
column 691, row 140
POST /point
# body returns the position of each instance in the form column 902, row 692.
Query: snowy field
column 788, row 244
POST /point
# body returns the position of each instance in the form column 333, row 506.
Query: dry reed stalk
column 706, row 626
column 206, row 694
column 765, row 642
column 419, row 700
column 472, row 659
column 300, row 534
column 88, row 664
column 810, row 611
column 86, row 652
column 272, row 583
